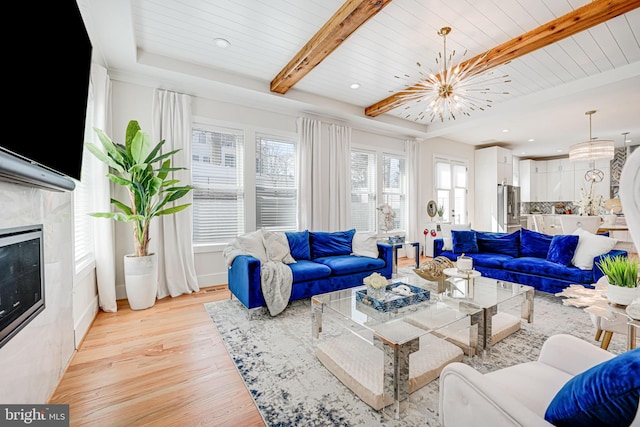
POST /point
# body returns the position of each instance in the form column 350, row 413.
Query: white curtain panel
column 339, row 178
column 324, row 176
column 103, row 231
column 414, row 228
column 310, row 184
column 172, row 235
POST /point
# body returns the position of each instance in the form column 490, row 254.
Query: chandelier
column 590, row 151
column 453, row 90
column 593, row 149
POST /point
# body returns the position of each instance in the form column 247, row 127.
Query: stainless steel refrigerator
column 508, row 208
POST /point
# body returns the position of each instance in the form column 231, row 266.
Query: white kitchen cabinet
column 552, row 193
column 527, row 183
column 567, row 190
column 540, row 194
column 560, row 177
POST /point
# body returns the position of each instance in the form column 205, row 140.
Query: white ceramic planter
column 141, row 280
column 622, row 296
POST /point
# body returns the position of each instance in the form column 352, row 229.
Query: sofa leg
column 598, row 334
column 606, row 340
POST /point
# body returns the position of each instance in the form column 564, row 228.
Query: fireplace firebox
column 21, row 278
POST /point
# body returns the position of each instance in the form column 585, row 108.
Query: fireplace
column 21, row 278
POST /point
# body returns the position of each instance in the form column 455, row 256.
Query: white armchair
column 519, row 394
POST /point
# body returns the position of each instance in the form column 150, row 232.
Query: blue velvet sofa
column 323, row 264
column 526, row 257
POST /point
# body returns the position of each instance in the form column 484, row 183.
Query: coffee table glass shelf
column 381, row 355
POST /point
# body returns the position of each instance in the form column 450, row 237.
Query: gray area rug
column 275, row 357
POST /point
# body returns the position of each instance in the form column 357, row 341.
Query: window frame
column 250, row 132
column 379, row 155
column 452, row 163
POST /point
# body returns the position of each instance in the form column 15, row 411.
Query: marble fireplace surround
column 34, row 359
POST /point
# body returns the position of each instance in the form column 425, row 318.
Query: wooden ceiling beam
column 583, row 18
column 351, row 15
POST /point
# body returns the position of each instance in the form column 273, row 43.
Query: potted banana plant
column 138, row 167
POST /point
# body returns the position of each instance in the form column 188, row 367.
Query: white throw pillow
column 276, row 246
column 364, row 243
column 446, row 234
column 589, row 247
column 252, row 244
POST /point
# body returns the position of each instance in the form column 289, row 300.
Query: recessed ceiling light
column 222, row 43
column 523, row 153
column 530, row 139
column 354, row 85
column 505, row 130
column 559, row 151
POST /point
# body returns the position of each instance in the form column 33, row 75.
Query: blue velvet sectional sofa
column 323, row 264
column 526, row 257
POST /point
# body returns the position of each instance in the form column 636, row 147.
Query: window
column 451, row 189
column 276, row 188
column 218, row 196
column 83, row 203
column 363, row 191
column 377, row 178
column 394, row 187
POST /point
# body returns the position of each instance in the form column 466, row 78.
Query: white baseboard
column 84, row 322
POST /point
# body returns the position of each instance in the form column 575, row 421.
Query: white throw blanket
column 276, row 278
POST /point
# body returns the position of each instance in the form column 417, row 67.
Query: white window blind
column 363, row 190
column 217, row 174
column 394, row 187
column 276, row 189
column 83, row 201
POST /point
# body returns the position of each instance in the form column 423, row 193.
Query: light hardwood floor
column 163, row 366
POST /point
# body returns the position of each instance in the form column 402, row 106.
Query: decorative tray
column 392, row 300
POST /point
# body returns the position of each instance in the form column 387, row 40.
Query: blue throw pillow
column 498, row 243
column 331, row 243
column 534, row 244
column 299, row 244
column 562, row 249
column 464, row 241
column 604, row 395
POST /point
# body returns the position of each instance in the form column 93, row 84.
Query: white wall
column 34, row 359
column 443, row 147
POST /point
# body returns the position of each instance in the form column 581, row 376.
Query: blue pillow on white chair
column 607, row 394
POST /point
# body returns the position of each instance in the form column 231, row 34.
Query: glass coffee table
column 395, row 333
column 487, row 294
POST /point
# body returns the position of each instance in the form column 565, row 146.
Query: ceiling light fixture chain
column 454, row 89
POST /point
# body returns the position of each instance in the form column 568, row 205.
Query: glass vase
column 376, row 293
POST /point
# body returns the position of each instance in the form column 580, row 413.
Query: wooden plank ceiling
column 354, row 13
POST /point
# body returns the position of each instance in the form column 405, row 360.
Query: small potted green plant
column 622, row 274
column 441, row 212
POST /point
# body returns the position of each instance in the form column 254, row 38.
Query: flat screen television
column 45, row 143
